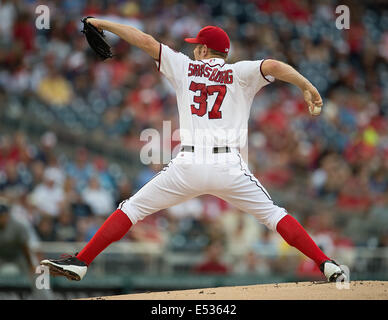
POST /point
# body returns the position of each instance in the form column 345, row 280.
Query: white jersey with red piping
column 214, row 98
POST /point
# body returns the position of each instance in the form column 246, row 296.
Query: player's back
column 214, row 98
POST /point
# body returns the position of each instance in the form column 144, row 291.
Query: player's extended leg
column 164, row 190
column 75, row 267
column 295, row 235
column 247, row 194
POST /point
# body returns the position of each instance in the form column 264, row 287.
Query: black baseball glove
column 96, row 40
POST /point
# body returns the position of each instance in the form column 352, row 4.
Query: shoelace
column 66, row 256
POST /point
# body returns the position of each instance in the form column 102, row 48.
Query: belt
column 215, row 149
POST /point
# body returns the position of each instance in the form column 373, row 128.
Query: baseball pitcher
column 214, row 100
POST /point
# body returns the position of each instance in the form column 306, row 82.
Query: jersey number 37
column 201, row 99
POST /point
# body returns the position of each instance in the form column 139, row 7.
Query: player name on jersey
column 213, row 73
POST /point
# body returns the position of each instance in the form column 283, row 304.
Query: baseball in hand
column 313, row 100
column 315, row 111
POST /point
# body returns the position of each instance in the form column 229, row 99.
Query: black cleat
column 69, row 266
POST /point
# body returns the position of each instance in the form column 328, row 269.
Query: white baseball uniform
column 214, row 100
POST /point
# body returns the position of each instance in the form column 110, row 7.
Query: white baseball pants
column 190, row 174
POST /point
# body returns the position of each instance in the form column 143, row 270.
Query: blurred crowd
column 336, row 164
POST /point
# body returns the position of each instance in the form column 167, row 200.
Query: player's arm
column 285, row 72
column 130, row 34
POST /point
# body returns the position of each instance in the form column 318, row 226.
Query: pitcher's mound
column 354, row 290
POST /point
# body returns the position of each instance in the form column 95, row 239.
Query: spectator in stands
column 81, row 169
column 47, row 197
column 45, row 150
column 65, row 226
column 124, row 188
column 104, row 177
column 252, row 264
column 241, row 232
column 8, row 14
column 354, row 197
column 146, row 174
column 8, row 150
column 100, row 200
column 378, row 182
column 24, row 31
column 79, row 207
column 212, row 263
column 36, row 170
column 55, row 171
column 12, row 182
column 267, row 244
column 55, row 90
column 45, row 229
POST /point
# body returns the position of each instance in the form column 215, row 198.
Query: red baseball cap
column 214, row 37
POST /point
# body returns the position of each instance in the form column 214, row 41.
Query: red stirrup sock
column 113, row 229
column 295, row 235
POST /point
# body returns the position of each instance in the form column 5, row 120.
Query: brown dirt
column 358, row 290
